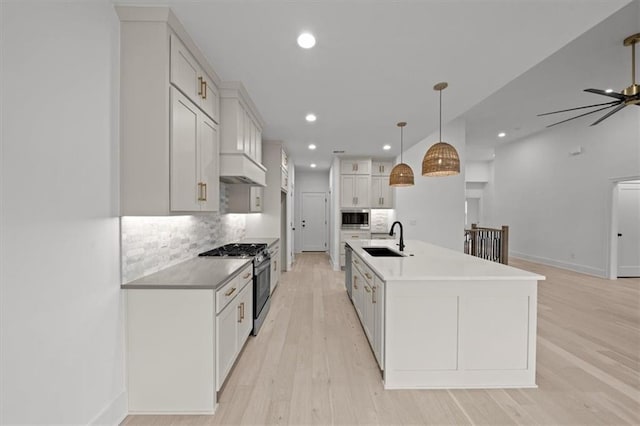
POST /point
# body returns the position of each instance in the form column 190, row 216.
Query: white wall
column 61, row 331
column 433, row 209
column 558, row 206
column 308, row 181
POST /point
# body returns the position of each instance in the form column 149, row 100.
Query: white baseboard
column 583, row 269
column 114, row 413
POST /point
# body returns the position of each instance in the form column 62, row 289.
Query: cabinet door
column 284, row 180
column 349, row 167
column 255, row 201
column 362, row 191
column 210, row 98
column 363, row 167
column 185, row 71
column 381, row 168
column 226, row 341
column 258, row 145
column 367, row 312
column 186, row 189
column 358, row 292
column 378, row 320
column 381, row 192
column 244, row 306
column 347, row 191
column 247, row 134
column 209, row 167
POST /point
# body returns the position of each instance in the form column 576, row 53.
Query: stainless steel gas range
column 261, row 275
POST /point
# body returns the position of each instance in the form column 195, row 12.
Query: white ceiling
column 597, row 59
column 375, row 62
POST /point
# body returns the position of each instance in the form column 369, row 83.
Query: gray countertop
column 197, row 273
column 268, row 241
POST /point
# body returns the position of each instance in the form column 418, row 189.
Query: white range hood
column 239, row 168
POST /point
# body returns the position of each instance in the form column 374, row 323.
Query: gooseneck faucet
column 401, row 234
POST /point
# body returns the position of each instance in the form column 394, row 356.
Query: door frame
column 612, row 264
column 325, row 228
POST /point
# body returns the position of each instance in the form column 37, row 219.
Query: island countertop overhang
column 428, row 262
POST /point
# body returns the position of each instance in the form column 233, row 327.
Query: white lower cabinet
column 233, row 326
column 274, row 251
column 368, row 300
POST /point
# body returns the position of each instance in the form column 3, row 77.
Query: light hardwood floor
column 311, row 362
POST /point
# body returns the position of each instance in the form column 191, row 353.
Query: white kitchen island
column 437, row 318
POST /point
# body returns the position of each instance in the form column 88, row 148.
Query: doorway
column 628, row 234
column 313, row 221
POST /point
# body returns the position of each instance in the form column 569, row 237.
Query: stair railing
column 487, row 243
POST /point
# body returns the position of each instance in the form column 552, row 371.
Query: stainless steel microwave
column 356, row 219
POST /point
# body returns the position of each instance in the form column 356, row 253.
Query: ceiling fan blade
column 609, row 114
column 582, row 107
column 581, row 115
column 610, row 94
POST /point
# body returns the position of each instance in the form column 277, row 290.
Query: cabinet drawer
column 230, row 290
column 366, row 272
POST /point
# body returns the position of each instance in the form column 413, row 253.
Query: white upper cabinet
column 381, row 167
column 194, row 157
column 381, row 193
column 241, row 124
column 355, row 190
column 349, row 166
column 188, row 76
column 168, row 135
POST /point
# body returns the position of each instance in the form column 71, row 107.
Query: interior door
column 629, row 229
column 314, row 221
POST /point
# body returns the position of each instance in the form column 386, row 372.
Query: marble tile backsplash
column 151, row 243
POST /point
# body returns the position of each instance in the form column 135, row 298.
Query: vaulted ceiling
column 375, row 62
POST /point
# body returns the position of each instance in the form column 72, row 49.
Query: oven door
column 261, row 290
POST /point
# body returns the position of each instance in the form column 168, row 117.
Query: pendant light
column 401, row 174
column 441, row 159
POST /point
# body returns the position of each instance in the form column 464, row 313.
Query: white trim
column 612, row 221
column 114, row 413
column 583, row 269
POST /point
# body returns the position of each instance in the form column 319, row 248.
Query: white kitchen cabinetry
column 234, row 322
column 188, row 76
column 241, row 136
column 194, row 157
column 149, row 80
column 355, row 191
column 381, row 167
column 351, row 235
column 245, row 199
column 368, row 300
column 355, row 166
column 377, row 300
column 381, row 193
column 274, row 251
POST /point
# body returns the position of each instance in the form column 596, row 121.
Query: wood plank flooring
column 311, row 362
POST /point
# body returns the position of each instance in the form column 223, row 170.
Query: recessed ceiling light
column 312, row 146
column 313, row 165
column 310, row 118
column 386, row 147
column 502, row 134
column 306, row 40
column 608, row 91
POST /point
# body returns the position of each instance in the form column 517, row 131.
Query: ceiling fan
column 629, row 96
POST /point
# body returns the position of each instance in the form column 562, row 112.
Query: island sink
column 382, row 252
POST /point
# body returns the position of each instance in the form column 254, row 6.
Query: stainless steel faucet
column 401, row 234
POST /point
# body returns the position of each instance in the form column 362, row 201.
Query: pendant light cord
column 440, row 115
column 401, row 149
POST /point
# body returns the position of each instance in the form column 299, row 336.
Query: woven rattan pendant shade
column 401, row 174
column 441, row 158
